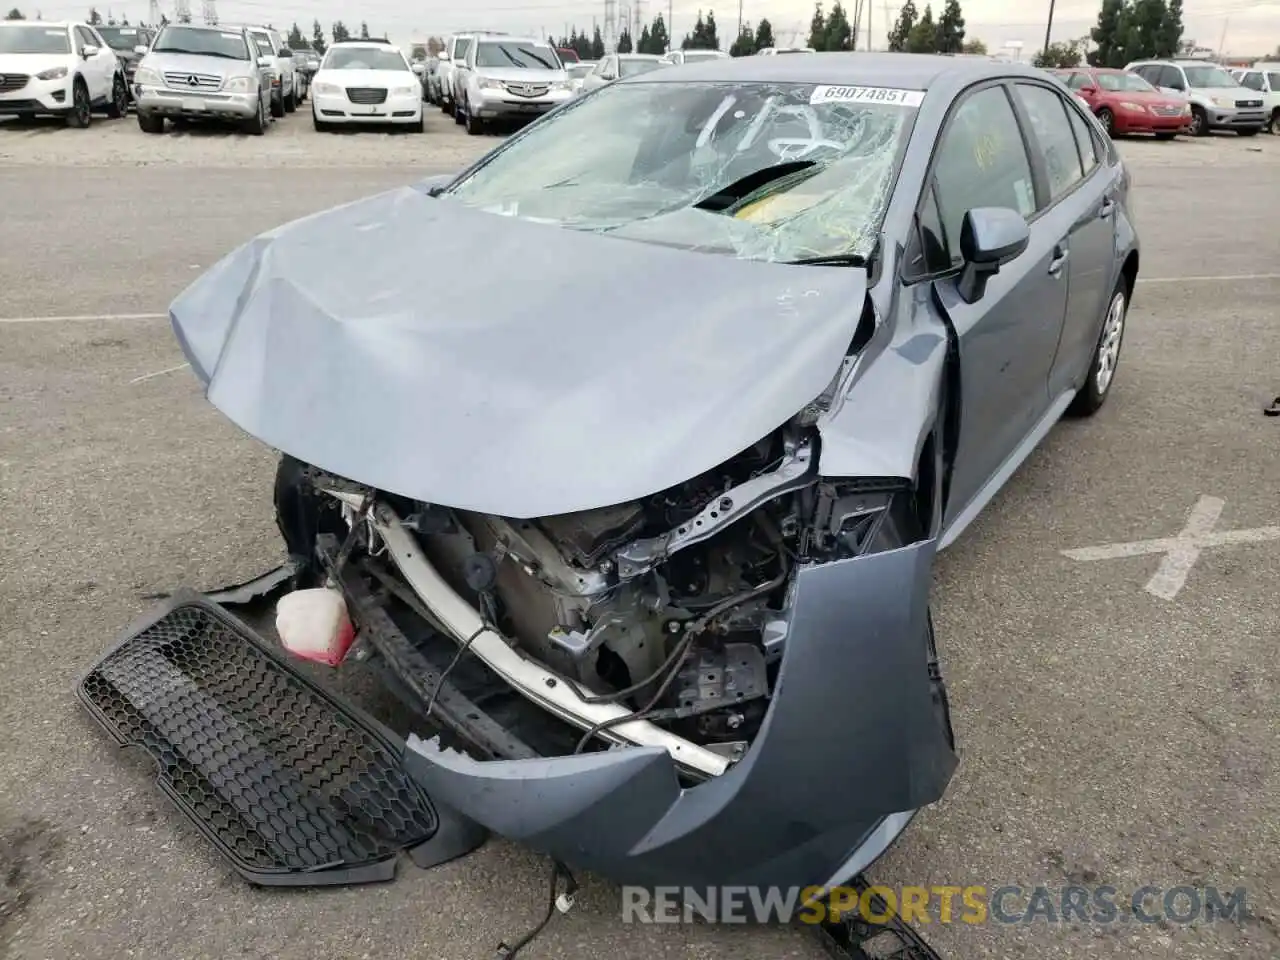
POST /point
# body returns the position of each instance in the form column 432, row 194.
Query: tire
column 1199, row 126
column 258, row 125
column 445, row 108
column 119, row 105
column 1273, row 124
column 1108, row 121
column 320, row 125
column 81, row 114
column 150, row 124
column 1106, row 355
column 459, row 115
column 419, row 127
column 1165, row 136
column 474, row 125
column 1249, row 132
column 291, row 103
column 277, row 106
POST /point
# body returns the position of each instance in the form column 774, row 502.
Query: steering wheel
column 797, row 148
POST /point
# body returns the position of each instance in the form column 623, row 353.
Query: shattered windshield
column 778, row 172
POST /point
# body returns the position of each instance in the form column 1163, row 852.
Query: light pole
column 1048, row 30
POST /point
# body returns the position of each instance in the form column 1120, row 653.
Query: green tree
column 317, row 39
column 974, row 46
column 624, row 42
column 818, row 27
column 597, row 45
column 744, row 44
column 838, row 35
column 364, row 30
column 710, row 37
column 764, row 35
column 1169, row 39
column 1108, row 35
column 95, row 18
column 950, row 28
column 14, row 14
column 340, row 32
column 703, row 36
column 902, row 27
column 1060, row 56
column 645, row 41
column 658, row 37
column 924, row 35
column 296, row 40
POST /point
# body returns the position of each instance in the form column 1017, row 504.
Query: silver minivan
column 1218, row 101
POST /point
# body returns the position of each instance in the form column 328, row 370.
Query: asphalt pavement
column 1116, row 717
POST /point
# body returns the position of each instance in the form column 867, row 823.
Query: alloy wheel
column 1109, row 347
column 81, row 97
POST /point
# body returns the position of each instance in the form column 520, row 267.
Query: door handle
column 1059, row 260
column 1108, row 208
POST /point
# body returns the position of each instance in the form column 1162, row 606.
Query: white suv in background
column 1264, row 77
column 284, row 72
column 510, row 78
column 58, row 69
column 455, row 50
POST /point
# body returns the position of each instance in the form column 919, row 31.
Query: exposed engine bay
column 674, row 606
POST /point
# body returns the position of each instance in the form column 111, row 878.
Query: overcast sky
column 1252, row 26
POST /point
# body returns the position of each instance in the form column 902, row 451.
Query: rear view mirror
column 990, row 237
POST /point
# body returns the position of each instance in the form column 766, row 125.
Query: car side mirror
column 419, row 68
column 140, row 50
column 990, row 237
column 1088, row 91
column 266, row 62
column 285, row 52
column 90, row 50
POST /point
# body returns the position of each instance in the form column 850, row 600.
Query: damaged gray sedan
column 659, row 569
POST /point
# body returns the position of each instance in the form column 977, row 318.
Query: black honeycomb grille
column 289, row 784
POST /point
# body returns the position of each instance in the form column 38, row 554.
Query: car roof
column 508, row 38
column 911, row 71
column 213, row 28
column 51, row 24
column 640, row 56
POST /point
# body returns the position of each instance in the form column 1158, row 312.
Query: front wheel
column 257, row 126
column 291, row 103
column 1106, row 356
column 277, row 106
column 1108, row 121
column 1199, row 126
column 119, row 105
column 148, row 123
column 81, row 111
column 474, row 125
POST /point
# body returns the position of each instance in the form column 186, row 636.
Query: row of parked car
column 1167, row 97
column 485, row 76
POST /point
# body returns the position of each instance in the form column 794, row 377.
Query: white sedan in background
column 365, row 82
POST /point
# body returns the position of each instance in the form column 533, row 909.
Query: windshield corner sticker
column 889, row 96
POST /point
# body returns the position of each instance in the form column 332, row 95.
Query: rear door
column 1081, row 207
column 1008, row 338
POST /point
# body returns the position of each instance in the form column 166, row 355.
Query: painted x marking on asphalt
column 1180, row 552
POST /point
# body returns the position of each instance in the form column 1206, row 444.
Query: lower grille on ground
column 291, row 785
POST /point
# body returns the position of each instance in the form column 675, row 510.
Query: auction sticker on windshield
column 890, row 96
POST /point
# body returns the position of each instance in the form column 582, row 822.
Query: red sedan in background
column 1125, row 103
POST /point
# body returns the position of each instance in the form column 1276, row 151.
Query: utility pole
column 739, row 17
column 671, row 37
column 870, row 4
column 1222, row 42
column 1048, row 30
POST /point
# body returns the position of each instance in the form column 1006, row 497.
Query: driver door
column 1009, row 336
column 98, row 70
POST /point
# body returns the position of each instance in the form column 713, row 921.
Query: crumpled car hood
column 492, row 364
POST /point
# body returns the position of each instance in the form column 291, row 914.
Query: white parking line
column 1221, row 278
column 87, row 317
column 1180, row 552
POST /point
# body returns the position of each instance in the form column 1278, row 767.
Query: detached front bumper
column 501, row 105
column 37, row 97
column 214, row 106
column 856, row 740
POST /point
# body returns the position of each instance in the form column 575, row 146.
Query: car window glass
column 1172, row 77
column 1054, row 136
column 1084, row 141
column 1077, row 81
column 982, row 162
column 1252, row 80
column 1273, row 81
column 85, row 38
column 934, row 257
